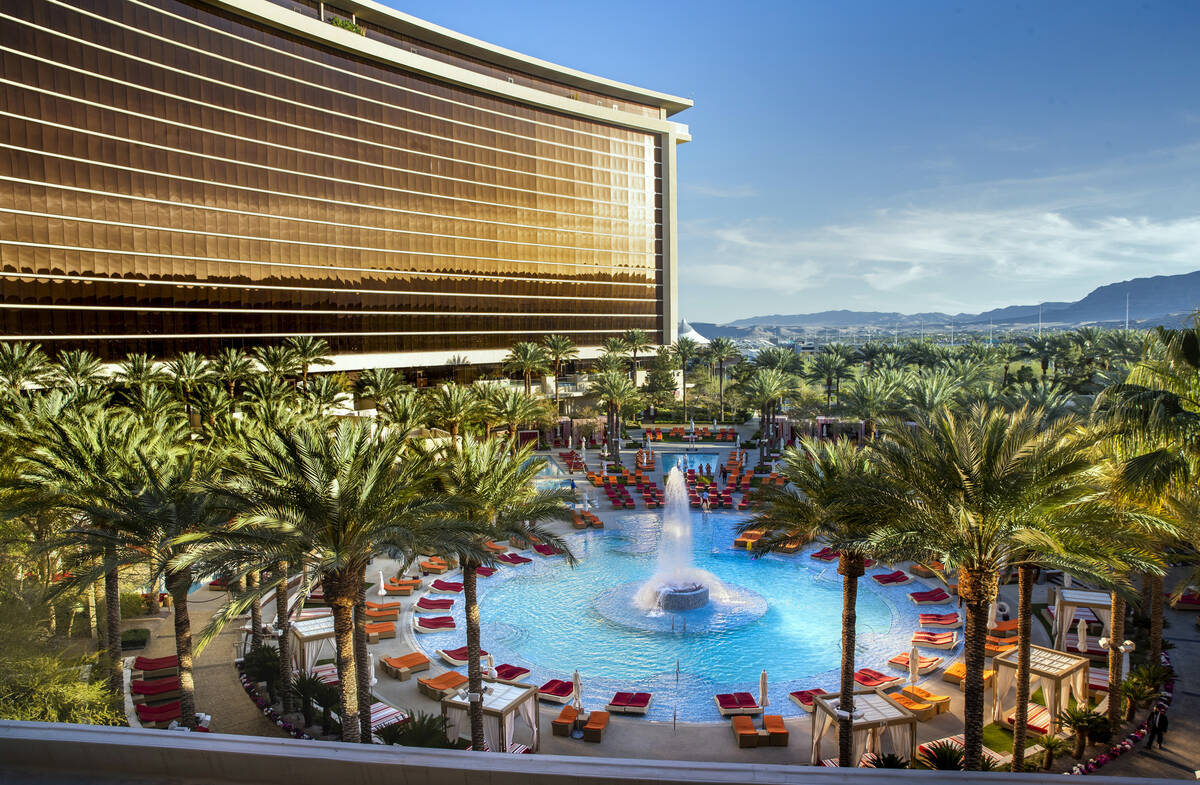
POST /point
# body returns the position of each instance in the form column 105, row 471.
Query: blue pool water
column 786, row 620
column 669, row 460
column 551, row 476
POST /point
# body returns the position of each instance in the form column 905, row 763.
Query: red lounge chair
column 630, row 703
column 457, row 657
column 805, row 698
column 935, row 640
column 155, row 663
column 156, row 690
column 158, row 716
column 510, row 673
column 827, row 554
column 433, row 623
column 942, row 620
column 485, row 572
column 557, row 691
column 737, row 703
column 547, row 550
column 897, row 578
column 513, row 558
column 924, row 664
column 931, row 597
column 873, row 678
column 430, row 604
column 445, row 587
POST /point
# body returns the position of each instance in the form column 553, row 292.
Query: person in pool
column 704, row 501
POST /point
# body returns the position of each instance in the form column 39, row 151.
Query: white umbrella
column 914, row 665
column 371, row 661
column 1066, row 580
column 1081, row 645
column 491, row 667
column 763, row 700
column 992, row 616
column 382, row 585
column 578, row 695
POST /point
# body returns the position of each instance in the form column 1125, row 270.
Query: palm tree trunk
column 255, row 612
column 1156, row 618
column 557, row 373
column 474, row 672
column 343, row 636
column 1115, row 658
column 851, row 568
column 683, row 388
column 178, row 584
column 977, row 588
column 112, row 610
column 1024, row 612
column 362, row 661
column 93, row 607
column 284, row 626
column 721, row 391
column 154, row 605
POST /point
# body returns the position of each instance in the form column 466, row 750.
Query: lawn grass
column 1000, row 739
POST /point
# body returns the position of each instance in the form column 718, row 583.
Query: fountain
column 677, row 585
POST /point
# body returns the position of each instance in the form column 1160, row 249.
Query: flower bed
column 269, row 711
column 1127, row 744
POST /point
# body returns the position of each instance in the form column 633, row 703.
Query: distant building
column 192, row 174
column 687, row 331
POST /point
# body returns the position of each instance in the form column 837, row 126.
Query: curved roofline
column 465, row 44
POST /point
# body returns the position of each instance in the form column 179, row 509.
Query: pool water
column 551, row 476
column 669, row 460
column 787, row 620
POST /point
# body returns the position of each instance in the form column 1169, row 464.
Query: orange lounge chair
column 777, row 732
column 383, row 614
column 958, row 671
column 594, row 729
column 994, row 646
column 940, row 702
column 404, row 666
column 401, row 588
column 494, row 548
column 439, row 687
column 384, row 606
column 924, row 664
column 436, row 567
column 377, row 630
column 564, row 723
column 922, row 711
column 1005, row 629
column 744, row 732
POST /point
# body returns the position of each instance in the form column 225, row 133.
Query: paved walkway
column 218, row 690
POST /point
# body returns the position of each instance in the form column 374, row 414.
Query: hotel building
column 182, row 175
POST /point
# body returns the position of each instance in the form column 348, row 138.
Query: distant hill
column 1161, row 299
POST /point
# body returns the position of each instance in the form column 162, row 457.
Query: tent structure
column 1060, row 675
column 504, row 707
column 880, row 725
column 312, row 641
column 687, row 331
column 1070, row 600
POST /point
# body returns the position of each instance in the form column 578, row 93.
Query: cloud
column 960, row 248
column 722, row 192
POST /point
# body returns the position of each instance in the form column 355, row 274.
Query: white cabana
column 504, row 707
column 312, row 641
column 1060, row 675
column 880, row 725
column 1070, row 600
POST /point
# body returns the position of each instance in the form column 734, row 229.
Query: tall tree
column 22, row 365
column 187, row 371
column 766, row 388
column 453, row 405
column 636, row 342
column 870, row 398
column 684, row 350
column 818, row 503
column 497, row 500
column 527, row 359
column 617, row 394
column 514, row 408
column 309, row 351
column 77, row 369
column 232, row 367
column 560, row 349
column 722, row 351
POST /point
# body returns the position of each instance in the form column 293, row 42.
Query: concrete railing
column 44, row 752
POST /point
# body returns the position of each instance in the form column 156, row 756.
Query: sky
column 901, row 156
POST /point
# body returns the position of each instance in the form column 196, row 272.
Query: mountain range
column 1161, row 299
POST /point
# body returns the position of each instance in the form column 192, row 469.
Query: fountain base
column 682, row 598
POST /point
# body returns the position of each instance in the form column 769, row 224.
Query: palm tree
column 380, row 384
column 188, row 371
column 332, row 499
column 870, row 398
column 514, row 408
column 309, row 351
column 1051, row 397
column 684, row 350
column 497, row 500
column 138, row 370
column 404, row 411
column 825, row 368
column 77, row 369
column 765, row 388
column 966, row 490
column 1041, row 349
column 560, row 349
column 781, row 358
column 722, row 351
column 22, row 365
column 929, row 392
column 617, row 393
column 280, row 362
column 527, row 358
column 823, row 479
column 232, row 367
column 453, row 405
column 322, row 393
column 636, row 341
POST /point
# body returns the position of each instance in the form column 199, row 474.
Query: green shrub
column 346, row 24
column 421, row 729
column 942, row 756
column 132, row 605
column 887, row 761
column 137, row 638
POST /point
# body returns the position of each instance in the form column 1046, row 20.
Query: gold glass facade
column 177, row 177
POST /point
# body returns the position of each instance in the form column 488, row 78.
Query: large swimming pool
column 555, row 620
